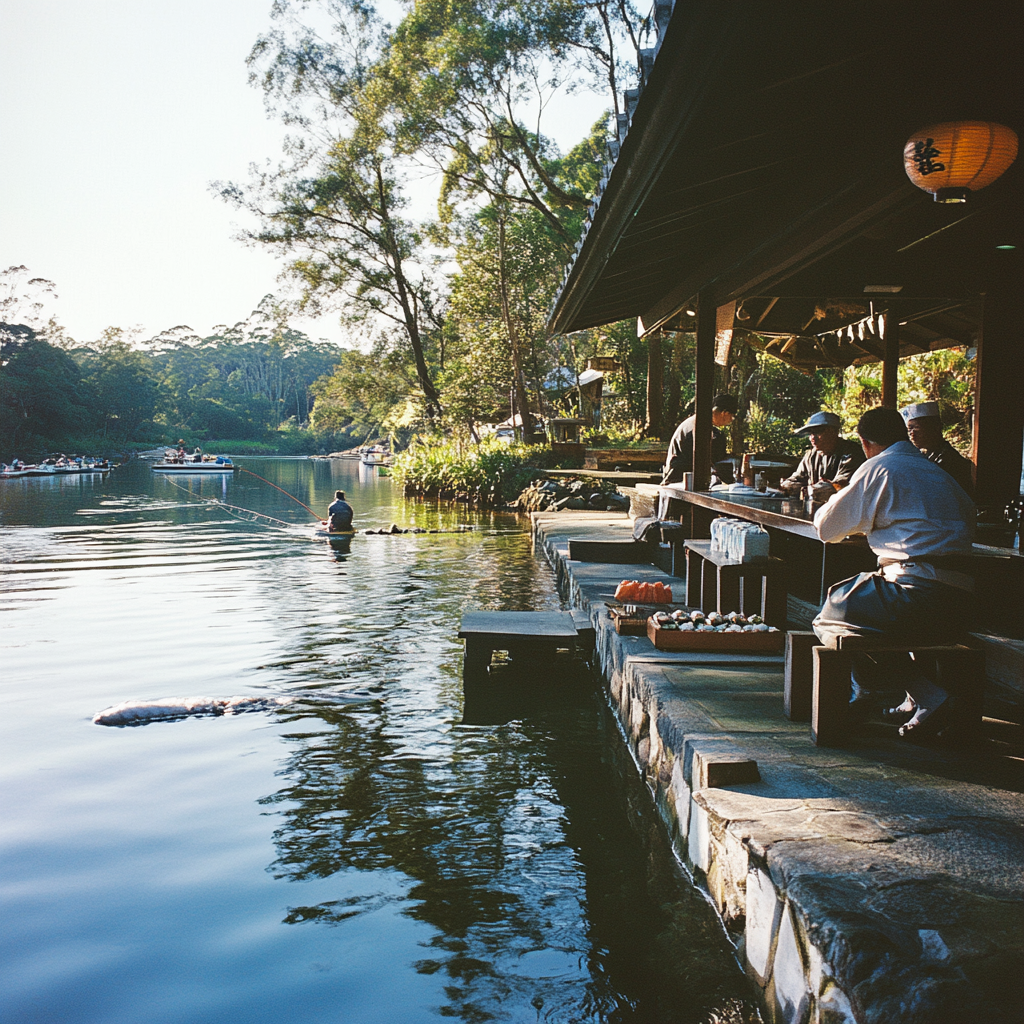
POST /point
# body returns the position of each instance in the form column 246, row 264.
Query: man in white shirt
column 917, row 519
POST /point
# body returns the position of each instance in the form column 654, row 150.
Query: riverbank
column 876, row 883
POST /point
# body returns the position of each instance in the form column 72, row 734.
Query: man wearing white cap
column 829, row 463
column 925, row 429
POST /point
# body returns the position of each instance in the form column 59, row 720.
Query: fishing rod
column 283, row 491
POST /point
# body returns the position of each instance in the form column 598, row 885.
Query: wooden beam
column 998, row 409
column 707, row 323
column 891, row 360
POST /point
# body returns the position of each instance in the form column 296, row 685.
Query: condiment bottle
column 747, row 471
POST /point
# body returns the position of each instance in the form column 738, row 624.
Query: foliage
column 765, row 433
column 488, row 471
column 43, row 396
column 945, row 376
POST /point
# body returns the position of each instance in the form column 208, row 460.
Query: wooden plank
column 613, row 552
column 552, row 625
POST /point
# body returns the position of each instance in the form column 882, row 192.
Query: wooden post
column 891, row 362
column 706, row 329
column 998, row 409
column 655, row 385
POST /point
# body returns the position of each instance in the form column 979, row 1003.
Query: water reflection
column 523, row 859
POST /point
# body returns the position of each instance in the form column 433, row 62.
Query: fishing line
column 283, row 491
column 227, row 508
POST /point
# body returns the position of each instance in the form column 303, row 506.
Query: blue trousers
column 869, row 605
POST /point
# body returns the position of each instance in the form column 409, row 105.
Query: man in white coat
column 917, row 520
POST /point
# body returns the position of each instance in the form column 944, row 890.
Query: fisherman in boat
column 339, row 514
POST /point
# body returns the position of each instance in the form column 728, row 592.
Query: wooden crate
column 674, row 640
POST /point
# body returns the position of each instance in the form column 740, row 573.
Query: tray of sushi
column 693, row 630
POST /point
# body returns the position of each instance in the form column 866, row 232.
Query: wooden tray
column 674, row 640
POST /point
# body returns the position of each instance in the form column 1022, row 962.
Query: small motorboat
column 14, row 470
column 377, row 455
column 339, row 540
column 207, row 465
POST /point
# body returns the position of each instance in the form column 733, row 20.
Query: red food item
column 667, row 592
column 620, row 590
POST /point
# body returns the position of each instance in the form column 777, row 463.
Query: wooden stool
column 959, row 670
column 717, row 583
column 799, row 678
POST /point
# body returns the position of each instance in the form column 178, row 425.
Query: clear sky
column 115, row 115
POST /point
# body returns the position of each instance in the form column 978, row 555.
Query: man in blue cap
column 830, row 461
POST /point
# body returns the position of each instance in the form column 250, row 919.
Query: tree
column 336, row 210
column 125, row 390
column 42, row 394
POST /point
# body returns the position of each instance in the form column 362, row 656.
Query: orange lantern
column 954, row 159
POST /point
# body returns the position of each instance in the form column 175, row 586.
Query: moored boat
column 378, row 455
column 210, row 464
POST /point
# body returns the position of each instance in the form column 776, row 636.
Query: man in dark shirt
column 339, row 514
column 829, row 463
column 680, row 448
column 925, row 428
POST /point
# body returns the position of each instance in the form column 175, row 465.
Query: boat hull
column 205, row 468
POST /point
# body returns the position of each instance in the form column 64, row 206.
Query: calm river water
column 362, row 856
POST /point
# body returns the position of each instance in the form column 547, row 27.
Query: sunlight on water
column 361, row 855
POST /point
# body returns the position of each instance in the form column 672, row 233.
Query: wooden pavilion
column 757, row 186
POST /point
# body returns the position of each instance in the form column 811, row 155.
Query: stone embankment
column 575, row 496
column 878, row 883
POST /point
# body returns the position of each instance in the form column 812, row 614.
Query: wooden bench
column 958, row 669
column 717, row 583
column 529, row 638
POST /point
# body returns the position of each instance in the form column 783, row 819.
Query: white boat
column 209, row 465
column 376, row 456
column 14, row 471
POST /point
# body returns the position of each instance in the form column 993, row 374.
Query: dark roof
column 764, row 161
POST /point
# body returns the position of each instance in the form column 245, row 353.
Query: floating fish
column 139, row 712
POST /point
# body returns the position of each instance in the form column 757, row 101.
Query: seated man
column 830, row 461
column 925, row 428
column 680, row 449
column 915, row 517
column 339, row 514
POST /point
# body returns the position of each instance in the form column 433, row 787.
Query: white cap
column 818, row 420
column 920, row 411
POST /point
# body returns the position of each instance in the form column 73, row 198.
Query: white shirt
column 908, row 508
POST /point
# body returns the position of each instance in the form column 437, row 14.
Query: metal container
column 687, row 481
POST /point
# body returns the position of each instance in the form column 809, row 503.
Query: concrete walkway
column 879, row 883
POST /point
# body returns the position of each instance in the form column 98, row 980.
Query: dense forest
column 447, row 312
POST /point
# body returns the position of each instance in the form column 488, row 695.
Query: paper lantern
column 954, row 159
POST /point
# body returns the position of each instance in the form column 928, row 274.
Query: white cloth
column 908, row 508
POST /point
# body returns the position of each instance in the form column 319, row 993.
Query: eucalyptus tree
column 336, row 208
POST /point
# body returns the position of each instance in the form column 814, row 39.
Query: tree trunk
column 412, row 326
column 519, row 378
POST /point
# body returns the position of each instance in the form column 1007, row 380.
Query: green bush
column 490, row 470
